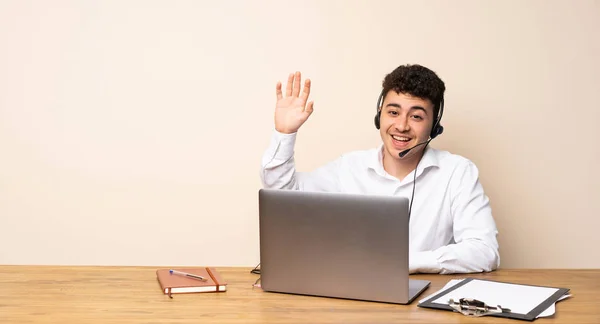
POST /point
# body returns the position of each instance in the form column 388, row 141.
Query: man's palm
column 292, row 110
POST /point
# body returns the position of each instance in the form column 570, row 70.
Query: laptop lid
column 336, row 245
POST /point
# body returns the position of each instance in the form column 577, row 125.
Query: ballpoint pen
column 185, row 274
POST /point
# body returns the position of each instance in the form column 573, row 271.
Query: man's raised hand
column 292, row 110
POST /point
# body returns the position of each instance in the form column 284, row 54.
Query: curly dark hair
column 417, row 81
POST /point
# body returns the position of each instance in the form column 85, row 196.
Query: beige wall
column 131, row 131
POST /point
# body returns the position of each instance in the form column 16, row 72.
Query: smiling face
column 405, row 122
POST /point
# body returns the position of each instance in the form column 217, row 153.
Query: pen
column 185, row 274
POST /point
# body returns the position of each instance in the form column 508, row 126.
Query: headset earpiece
column 378, row 115
column 437, row 131
column 437, row 128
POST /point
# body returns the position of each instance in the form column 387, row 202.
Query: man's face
column 405, row 122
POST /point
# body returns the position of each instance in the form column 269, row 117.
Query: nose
column 402, row 124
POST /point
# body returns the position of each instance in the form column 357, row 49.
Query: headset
column 437, row 128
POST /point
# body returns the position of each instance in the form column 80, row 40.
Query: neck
column 400, row 168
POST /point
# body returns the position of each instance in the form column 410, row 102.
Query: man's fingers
column 306, row 90
column 278, row 90
column 288, row 87
column 309, row 108
column 296, row 88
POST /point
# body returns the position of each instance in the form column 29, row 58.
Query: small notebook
column 177, row 284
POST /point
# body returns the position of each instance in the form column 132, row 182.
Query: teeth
column 400, row 138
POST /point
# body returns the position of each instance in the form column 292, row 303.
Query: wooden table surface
column 77, row 294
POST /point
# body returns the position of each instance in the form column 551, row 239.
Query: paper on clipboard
column 543, row 293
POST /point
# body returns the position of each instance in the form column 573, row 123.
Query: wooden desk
column 50, row 294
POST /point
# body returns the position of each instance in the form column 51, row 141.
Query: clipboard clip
column 475, row 308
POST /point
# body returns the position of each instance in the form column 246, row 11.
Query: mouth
column 400, row 141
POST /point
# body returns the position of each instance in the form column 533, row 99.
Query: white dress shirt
column 451, row 225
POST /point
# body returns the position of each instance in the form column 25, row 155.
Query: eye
column 417, row 117
column 393, row 113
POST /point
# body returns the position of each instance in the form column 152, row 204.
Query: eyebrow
column 395, row 105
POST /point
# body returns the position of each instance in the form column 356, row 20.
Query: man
column 451, row 226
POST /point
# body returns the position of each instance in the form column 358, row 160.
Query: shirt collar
column 429, row 159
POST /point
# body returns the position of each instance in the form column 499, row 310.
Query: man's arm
column 278, row 169
column 476, row 246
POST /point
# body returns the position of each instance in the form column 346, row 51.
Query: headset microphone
column 403, row 153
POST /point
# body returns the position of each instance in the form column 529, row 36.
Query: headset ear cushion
column 378, row 114
column 438, row 130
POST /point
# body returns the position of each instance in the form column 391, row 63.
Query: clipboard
column 525, row 302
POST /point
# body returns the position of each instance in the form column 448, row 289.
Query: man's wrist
column 285, row 131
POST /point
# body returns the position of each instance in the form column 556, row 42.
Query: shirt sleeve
column 475, row 246
column 278, row 168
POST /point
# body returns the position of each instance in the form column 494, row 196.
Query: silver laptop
column 336, row 245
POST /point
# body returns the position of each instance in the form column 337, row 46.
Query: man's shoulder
column 447, row 159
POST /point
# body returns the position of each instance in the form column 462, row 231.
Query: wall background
column 131, row 131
